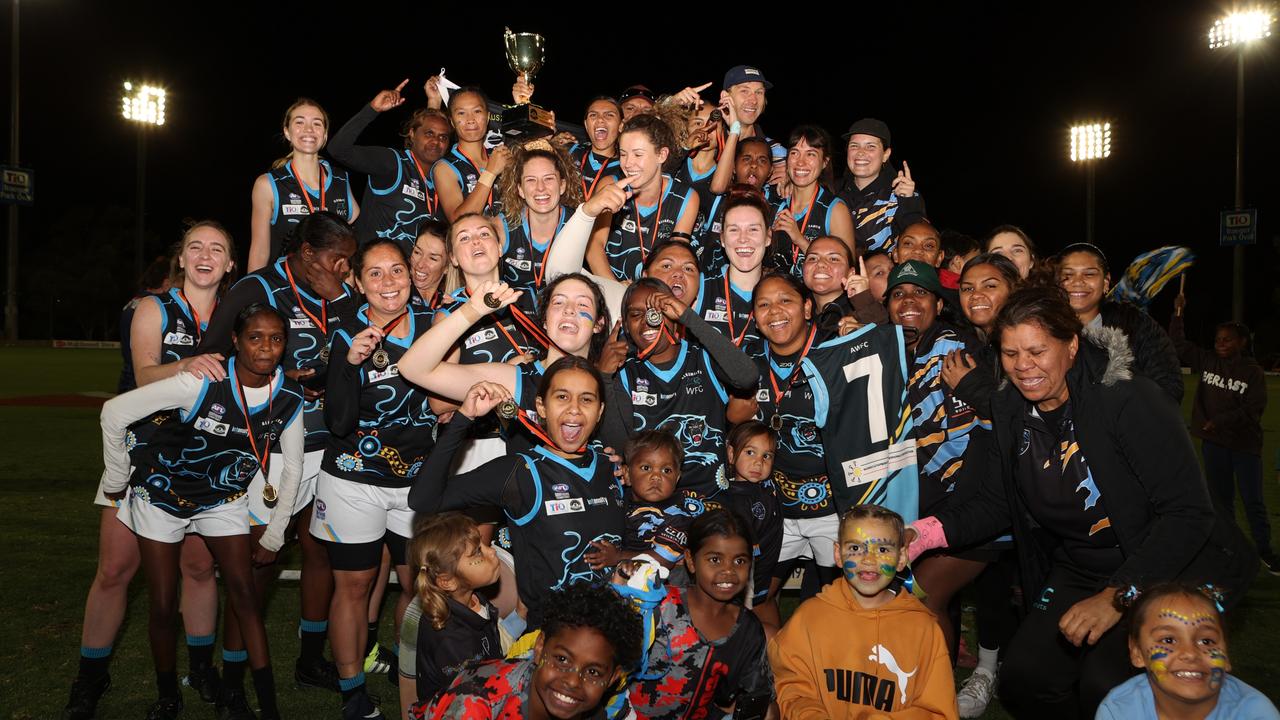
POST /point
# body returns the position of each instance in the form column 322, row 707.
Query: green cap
column 916, row 272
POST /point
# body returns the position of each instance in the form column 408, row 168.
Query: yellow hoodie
column 835, row 659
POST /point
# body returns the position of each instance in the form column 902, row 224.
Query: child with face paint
column 889, row 656
column 1178, row 638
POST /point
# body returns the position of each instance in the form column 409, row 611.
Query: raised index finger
column 702, row 87
column 862, row 266
column 402, row 84
column 617, row 330
column 906, row 169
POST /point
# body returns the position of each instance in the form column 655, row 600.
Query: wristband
column 735, row 128
column 469, row 313
column 929, row 535
column 487, row 174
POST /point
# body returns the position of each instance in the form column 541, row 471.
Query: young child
column 1176, row 635
column 457, row 624
column 888, row 654
column 706, row 652
column 589, row 635
column 657, row 516
column 751, row 494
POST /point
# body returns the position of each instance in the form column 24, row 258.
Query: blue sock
column 200, row 651
column 351, row 686
column 312, row 634
column 233, row 664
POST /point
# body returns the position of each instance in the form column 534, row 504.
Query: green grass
column 50, row 460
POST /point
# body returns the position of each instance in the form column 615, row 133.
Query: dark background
column 979, row 98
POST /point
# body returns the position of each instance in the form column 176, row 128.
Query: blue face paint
column 850, row 570
column 587, row 315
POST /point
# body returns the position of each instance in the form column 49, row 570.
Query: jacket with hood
column 1143, row 465
column 1154, row 356
column 879, row 215
column 889, row 661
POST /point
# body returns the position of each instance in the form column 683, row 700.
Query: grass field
column 50, row 460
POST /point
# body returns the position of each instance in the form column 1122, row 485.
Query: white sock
column 988, row 660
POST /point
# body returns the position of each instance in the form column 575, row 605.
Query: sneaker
column 315, row 673
column 361, row 707
column 204, row 681
column 85, row 694
column 233, row 705
column 974, row 696
column 166, row 708
column 376, row 662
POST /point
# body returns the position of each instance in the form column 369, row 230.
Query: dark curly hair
column 598, row 339
column 600, row 608
column 1138, row 612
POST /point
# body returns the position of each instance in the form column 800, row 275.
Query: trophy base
column 522, row 123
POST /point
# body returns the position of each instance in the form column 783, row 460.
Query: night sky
column 979, row 98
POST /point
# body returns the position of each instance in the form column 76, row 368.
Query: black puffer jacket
column 1143, row 462
column 1154, row 356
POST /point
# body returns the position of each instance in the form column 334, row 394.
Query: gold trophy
column 521, row 123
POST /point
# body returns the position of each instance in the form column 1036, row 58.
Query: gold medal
column 492, row 300
column 775, row 422
column 652, row 317
column 507, row 409
column 380, row 358
column 269, row 495
column 324, row 354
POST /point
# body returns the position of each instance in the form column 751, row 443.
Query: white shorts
column 478, row 452
column 811, row 537
column 352, row 512
column 153, row 523
column 100, row 498
column 259, row 513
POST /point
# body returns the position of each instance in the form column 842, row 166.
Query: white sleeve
column 568, row 253
column 292, row 448
column 176, row 392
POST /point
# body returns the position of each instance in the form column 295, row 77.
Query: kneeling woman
column 192, row 478
column 380, row 431
column 559, row 497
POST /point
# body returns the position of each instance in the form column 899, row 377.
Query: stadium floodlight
column 1240, row 27
column 1090, row 142
column 143, row 104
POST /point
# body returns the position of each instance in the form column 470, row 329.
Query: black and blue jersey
column 728, row 309
column 522, row 256
column 201, row 459
column 292, row 202
column 395, row 205
column 468, row 176
column 687, row 399
column 859, row 384
column 636, row 229
column 497, row 337
column 758, row 504
column 594, row 169
column 799, row 464
column 382, row 426
column 661, row 529
column 814, row 221
column 701, row 184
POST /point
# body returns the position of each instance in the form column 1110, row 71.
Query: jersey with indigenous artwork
column 860, row 402
column 944, row 424
column 180, row 333
column 293, row 201
column 200, row 459
column 813, row 219
column 595, row 170
column 396, row 428
column 461, row 167
column 727, row 308
column 396, row 211
column 687, row 399
column 523, row 257
column 635, row 230
column 660, row 528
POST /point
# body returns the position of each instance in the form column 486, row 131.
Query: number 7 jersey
column 859, row 385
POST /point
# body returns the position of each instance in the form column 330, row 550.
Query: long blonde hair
column 437, row 546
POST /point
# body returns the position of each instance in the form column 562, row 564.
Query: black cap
column 869, row 126
column 637, row 91
column 739, row 74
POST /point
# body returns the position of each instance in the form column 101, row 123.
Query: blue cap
column 744, row 74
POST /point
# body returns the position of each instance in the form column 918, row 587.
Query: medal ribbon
column 728, row 306
column 663, row 332
column 586, row 191
column 306, row 195
column 195, row 314
column 322, row 322
column 483, row 156
column 657, row 222
column 248, row 424
column 795, row 249
column 528, row 236
column 795, row 370
column 426, row 190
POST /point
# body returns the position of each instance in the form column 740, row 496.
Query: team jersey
column 307, row 346
column 180, row 333
column 689, row 676
column 201, row 459
column 661, row 528
column 594, row 169
column 487, row 690
column 814, row 221
column 522, row 257
column 687, row 399
column 395, row 205
column 727, row 308
column 800, row 469
column 859, row 384
column 497, row 337
column 395, row 426
column 291, row 201
column 636, row 229
column 944, row 424
column 701, row 184
column 706, row 241
column 758, row 504
column 468, row 176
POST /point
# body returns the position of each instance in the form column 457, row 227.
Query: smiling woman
column 1144, row 517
